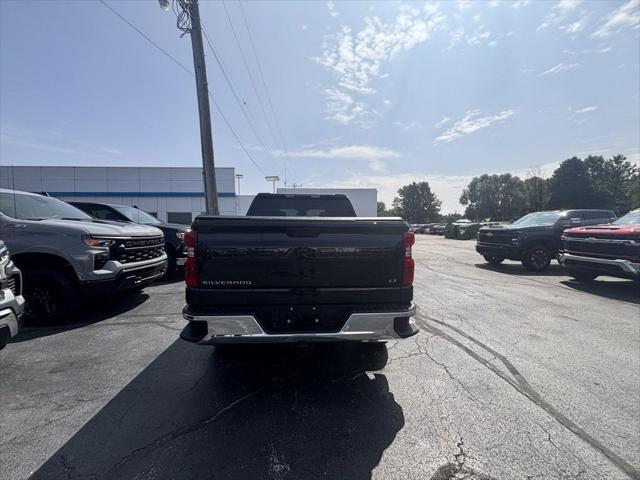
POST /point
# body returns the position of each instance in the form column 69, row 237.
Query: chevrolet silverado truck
column 173, row 232
column 535, row 238
column 298, row 268
column 66, row 256
column 612, row 250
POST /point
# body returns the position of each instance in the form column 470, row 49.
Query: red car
column 612, row 249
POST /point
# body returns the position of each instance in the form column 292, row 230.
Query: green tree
column 569, row 185
column 594, row 183
column 633, row 191
column 536, row 194
column 382, row 209
column 619, row 176
column 416, row 203
column 494, row 197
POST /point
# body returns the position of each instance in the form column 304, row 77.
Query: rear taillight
column 408, row 265
column 190, row 266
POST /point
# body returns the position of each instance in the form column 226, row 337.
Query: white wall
column 160, row 190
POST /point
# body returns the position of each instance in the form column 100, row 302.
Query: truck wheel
column 49, row 296
column 493, row 260
column 582, row 277
column 537, row 258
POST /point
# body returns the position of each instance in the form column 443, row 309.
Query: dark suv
column 173, row 233
column 535, row 238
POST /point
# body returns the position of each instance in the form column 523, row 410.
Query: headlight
column 98, row 242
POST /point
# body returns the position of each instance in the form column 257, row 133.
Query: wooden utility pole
column 206, row 139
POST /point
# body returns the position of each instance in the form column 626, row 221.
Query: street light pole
column 238, row 178
column 273, row 179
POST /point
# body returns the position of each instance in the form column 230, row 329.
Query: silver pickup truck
column 65, row 255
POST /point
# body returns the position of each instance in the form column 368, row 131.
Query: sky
column 325, row 94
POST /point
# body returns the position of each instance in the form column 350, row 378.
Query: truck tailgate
column 288, row 260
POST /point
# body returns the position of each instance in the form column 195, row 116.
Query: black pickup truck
column 535, row 238
column 298, row 268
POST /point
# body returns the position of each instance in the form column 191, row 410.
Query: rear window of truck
column 296, row 206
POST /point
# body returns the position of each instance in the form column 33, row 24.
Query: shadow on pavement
column 95, row 312
column 627, row 291
column 514, row 268
column 250, row 412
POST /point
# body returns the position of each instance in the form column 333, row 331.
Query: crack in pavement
column 180, row 432
column 521, row 385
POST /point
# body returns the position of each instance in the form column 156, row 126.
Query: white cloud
column 376, row 156
column 590, row 108
column 493, row 3
column 356, row 59
column 559, row 16
column 332, row 9
column 575, row 27
column 303, row 27
column 408, row 125
column 587, row 51
column 342, row 108
column 478, row 36
column 442, row 122
column 386, row 102
column 559, row 68
column 351, row 152
column 627, row 15
column 520, row 3
column 471, row 122
column 463, row 4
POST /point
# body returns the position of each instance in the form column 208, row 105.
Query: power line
column 239, row 101
column 264, row 83
column 183, row 67
column 249, row 73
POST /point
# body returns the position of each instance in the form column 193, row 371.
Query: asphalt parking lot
column 514, row 375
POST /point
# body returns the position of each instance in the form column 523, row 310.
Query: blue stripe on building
column 136, row 194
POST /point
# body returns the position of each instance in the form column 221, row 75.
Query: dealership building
column 173, row 194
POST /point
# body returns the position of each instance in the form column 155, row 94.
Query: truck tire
column 49, row 295
column 537, row 258
column 493, row 260
column 582, row 276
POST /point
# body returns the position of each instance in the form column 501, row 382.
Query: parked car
column 11, row 299
column 612, row 249
column 452, row 230
column 173, row 232
column 285, row 274
column 535, row 238
column 437, row 229
column 65, row 255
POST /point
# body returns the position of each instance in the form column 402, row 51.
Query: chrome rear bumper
column 625, row 266
column 361, row 326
